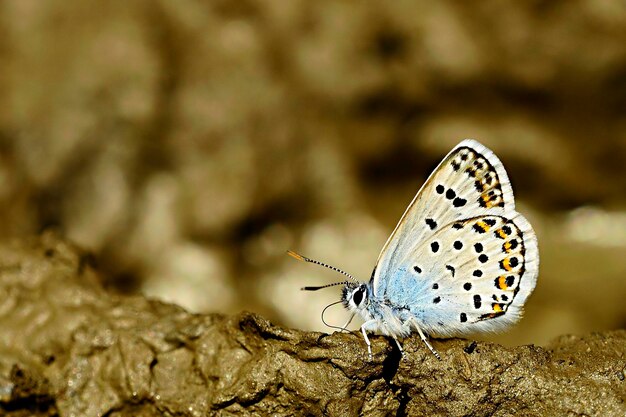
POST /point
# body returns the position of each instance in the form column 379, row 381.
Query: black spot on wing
column 451, row 269
column 478, row 228
column 477, row 301
column 431, row 223
column 459, row 202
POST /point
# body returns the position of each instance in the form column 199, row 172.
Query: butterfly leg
column 399, row 346
column 370, row 325
column 425, row 340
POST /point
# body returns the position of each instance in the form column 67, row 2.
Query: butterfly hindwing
column 478, row 271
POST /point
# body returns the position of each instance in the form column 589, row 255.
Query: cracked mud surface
column 69, row 348
column 188, row 144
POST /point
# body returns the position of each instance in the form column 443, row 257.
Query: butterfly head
column 355, row 296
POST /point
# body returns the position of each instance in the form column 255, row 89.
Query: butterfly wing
column 430, row 261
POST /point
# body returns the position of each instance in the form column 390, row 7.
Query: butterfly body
column 460, row 261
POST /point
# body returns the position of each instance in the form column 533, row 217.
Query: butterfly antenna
column 313, row 261
column 308, row 288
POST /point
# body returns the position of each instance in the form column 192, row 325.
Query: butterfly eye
column 358, row 296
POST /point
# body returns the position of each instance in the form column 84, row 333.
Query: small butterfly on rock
column 460, row 261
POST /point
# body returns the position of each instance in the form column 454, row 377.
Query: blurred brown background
column 189, row 144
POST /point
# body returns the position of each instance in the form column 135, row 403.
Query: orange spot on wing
column 506, row 264
column 502, row 282
column 490, row 201
column 483, row 225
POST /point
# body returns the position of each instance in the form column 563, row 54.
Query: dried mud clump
column 69, row 348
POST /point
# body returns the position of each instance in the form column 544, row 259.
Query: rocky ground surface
column 69, row 348
column 190, row 143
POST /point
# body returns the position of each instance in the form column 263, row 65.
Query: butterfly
column 460, row 261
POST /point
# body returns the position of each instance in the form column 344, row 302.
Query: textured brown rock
column 68, row 347
column 201, row 139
